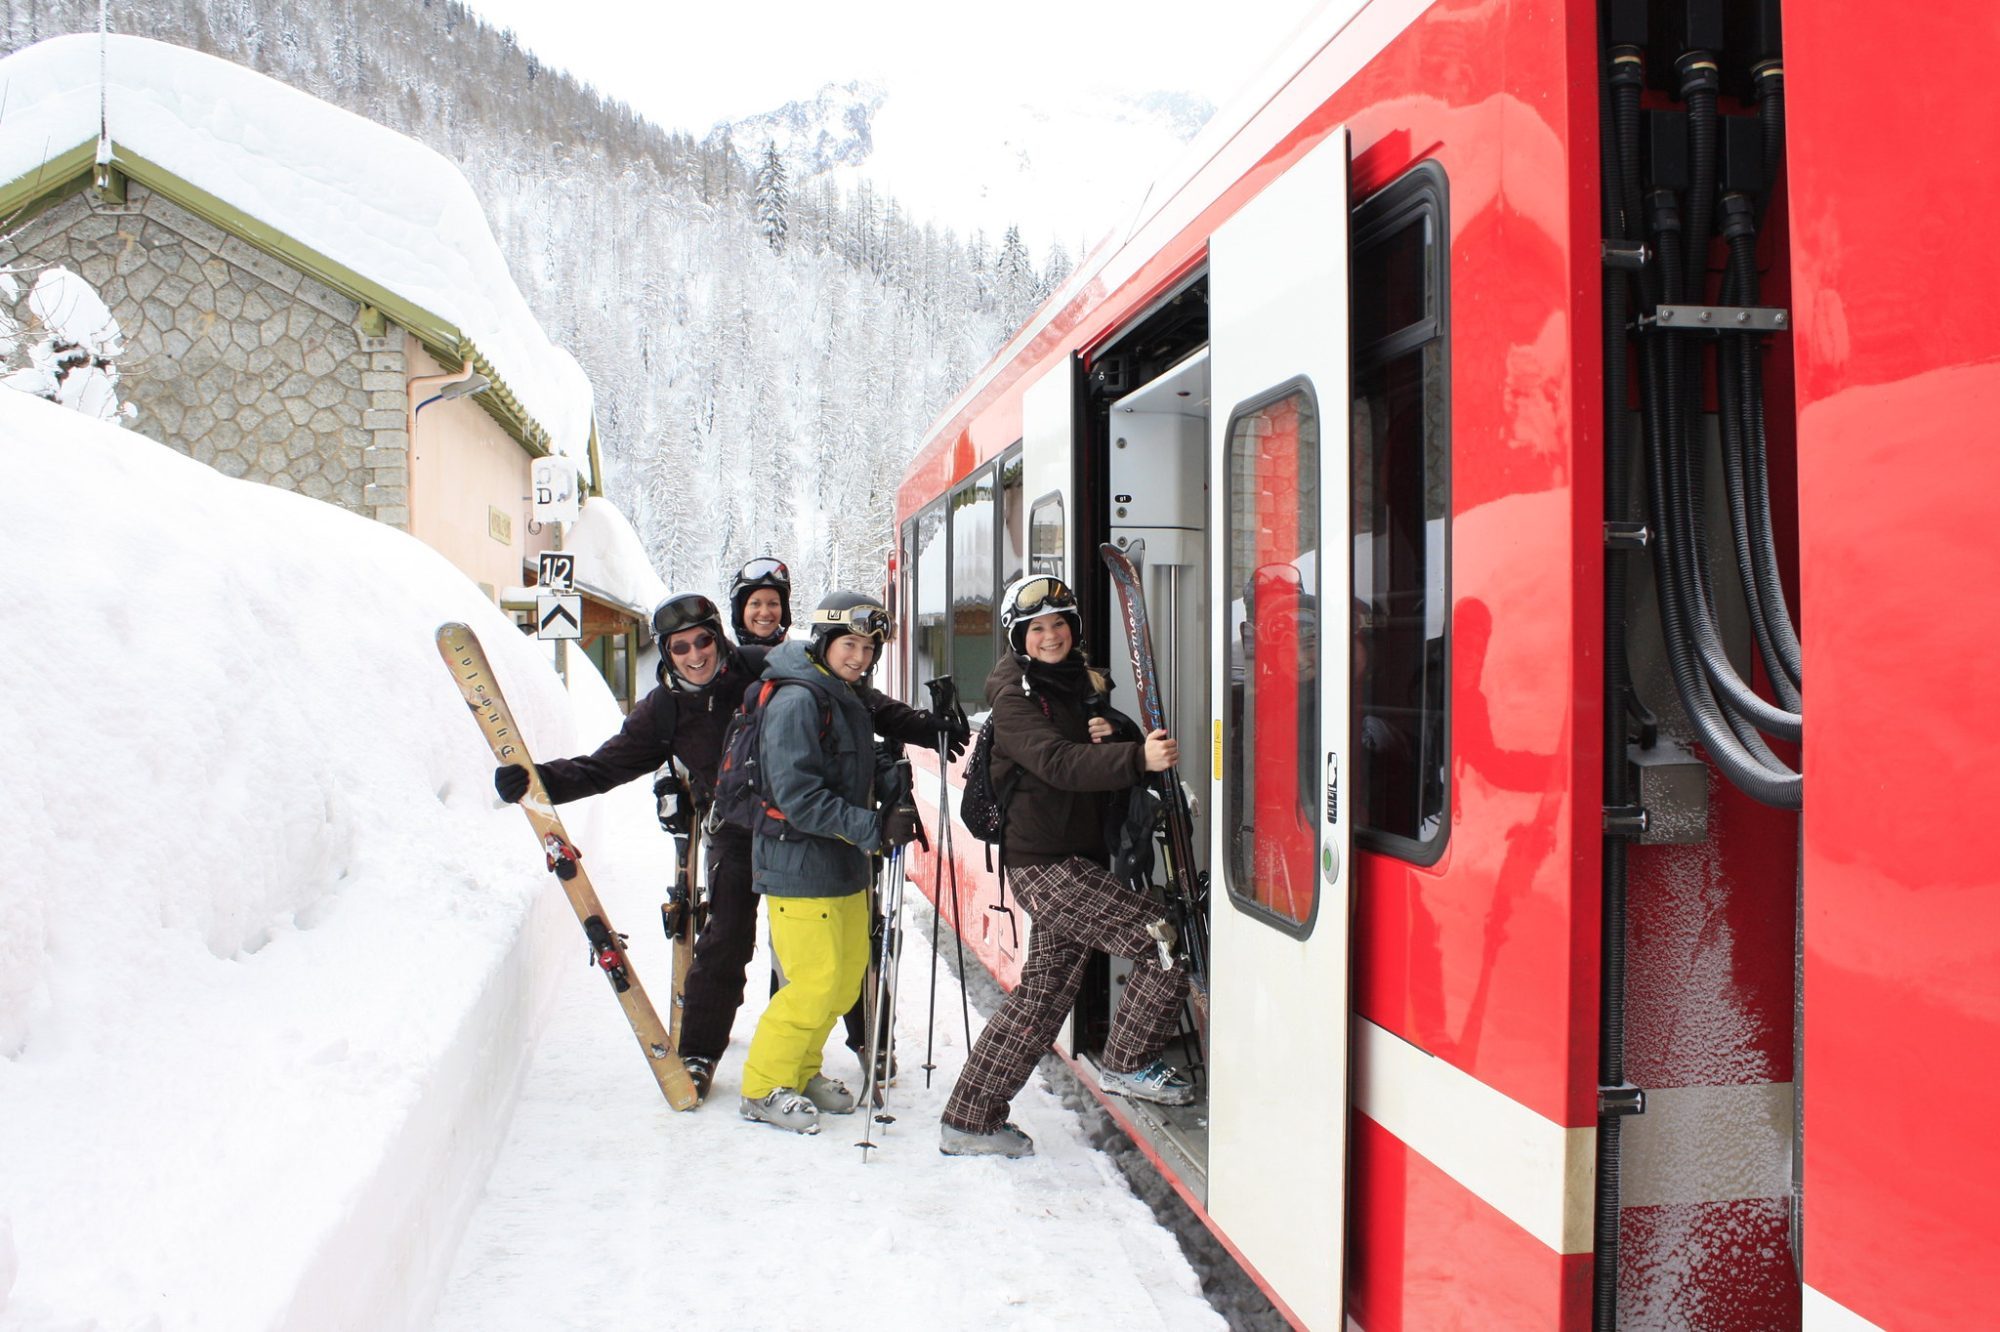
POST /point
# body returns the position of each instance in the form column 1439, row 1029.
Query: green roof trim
column 73, row 170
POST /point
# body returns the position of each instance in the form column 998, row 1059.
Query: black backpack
column 983, row 807
column 740, row 794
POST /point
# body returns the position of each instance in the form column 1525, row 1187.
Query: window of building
column 1271, row 792
column 1402, row 516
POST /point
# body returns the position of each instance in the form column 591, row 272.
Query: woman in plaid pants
column 1063, row 766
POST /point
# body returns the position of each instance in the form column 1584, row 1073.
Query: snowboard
column 466, row 660
column 1186, row 887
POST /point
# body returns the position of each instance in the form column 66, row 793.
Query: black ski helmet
column 847, row 613
column 1031, row 598
column 684, row 610
column 764, row 571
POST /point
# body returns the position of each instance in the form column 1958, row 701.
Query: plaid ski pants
column 1076, row 907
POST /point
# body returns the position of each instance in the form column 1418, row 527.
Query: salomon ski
column 1186, row 886
column 467, row 662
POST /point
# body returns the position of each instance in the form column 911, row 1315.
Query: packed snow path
column 606, row 1203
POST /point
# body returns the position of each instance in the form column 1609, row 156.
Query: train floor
column 606, row 1207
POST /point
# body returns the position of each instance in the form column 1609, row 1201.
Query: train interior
column 1142, row 475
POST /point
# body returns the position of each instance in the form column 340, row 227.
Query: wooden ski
column 466, row 660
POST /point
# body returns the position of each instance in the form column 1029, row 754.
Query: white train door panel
column 1278, row 1057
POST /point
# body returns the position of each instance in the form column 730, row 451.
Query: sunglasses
column 701, row 642
column 1043, row 594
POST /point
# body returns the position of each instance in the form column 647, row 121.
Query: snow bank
column 271, row 954
column 357, row 192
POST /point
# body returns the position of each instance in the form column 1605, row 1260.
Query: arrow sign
column 558, row 617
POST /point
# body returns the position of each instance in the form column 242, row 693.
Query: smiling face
column 763, row 612
column 695, row 654
column 850, row 656
column 1049, row 639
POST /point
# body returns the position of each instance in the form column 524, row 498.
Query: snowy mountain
column 1058, row 163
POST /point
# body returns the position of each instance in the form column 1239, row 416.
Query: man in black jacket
column 702, row 681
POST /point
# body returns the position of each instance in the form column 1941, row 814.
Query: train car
column 1505, row 402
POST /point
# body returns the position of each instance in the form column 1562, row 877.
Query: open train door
column 1278, row 1057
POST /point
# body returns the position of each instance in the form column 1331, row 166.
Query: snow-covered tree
column 772, row 200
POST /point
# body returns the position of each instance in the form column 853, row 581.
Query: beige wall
column 462, row 467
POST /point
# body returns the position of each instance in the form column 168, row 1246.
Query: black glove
column 901, row 826
column 955, row 730
column 675, row 805
column 511, row 782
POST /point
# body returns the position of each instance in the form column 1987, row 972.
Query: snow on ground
column 273, row 961
column 605, row 1199
column 269, row 953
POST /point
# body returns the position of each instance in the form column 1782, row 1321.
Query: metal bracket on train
column 1625, row 821
column 1628, row 256
column 1624, row 1099
column 1718, row 319
column 1627, row 536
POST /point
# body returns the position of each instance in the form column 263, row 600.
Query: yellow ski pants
column 822, row 944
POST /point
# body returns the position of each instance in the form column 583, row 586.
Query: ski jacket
column 819, row 773
column 1058, row 803
column 670, row 722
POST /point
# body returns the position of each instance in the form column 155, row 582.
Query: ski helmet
column 685, row 610
column 764, row 571
column 1031, row 598
column 847, row 613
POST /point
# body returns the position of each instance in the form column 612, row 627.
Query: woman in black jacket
column 1056, row 861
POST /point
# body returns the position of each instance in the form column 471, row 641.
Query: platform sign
column 555, row 571
column 559, row 617
column 555, row 490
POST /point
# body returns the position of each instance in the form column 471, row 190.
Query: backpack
column 983, row 807
column 741, row 798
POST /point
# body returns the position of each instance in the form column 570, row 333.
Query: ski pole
column 951, row 719
column 871, row 1043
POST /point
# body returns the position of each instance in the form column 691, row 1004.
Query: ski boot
column 1159, row 1082
column 831, row 1097
column 782, row 1108
column 1007, row 1140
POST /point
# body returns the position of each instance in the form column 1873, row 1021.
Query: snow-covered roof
column 367, row 200
column 611, row 561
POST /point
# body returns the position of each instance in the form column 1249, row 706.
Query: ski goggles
column 765, row 570
column 684, row 612
column 868, row 621
column 1042, row 596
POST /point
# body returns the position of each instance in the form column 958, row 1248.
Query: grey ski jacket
column 823, row 786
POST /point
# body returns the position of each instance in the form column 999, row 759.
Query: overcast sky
column 689, row 65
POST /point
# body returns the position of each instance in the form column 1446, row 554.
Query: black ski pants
column 722, row 954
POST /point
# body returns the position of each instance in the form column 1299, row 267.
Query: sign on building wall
column 555, row 490
column 555, row 571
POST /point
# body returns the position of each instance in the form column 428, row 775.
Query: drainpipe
column 423, row 391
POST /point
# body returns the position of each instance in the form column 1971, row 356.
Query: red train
column 1512, row 399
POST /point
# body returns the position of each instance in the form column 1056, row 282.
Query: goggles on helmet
column 684, row 612
column 765, row 570
column 866, row 620
column 1041, row 596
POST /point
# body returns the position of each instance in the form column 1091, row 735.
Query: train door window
column 972, row 594
column 1402, row 513
column 1045, row 536
column 1272, row 787
column 929, row 629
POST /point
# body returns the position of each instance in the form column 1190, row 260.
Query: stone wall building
column 298, row 290
column 234, row 358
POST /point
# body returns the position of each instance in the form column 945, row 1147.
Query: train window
column 1013, row 519
column 972, row 594
column 1045, row 536
column 1402, row 513
column 1272, row 716
column 906, row 610
column 929, row 642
